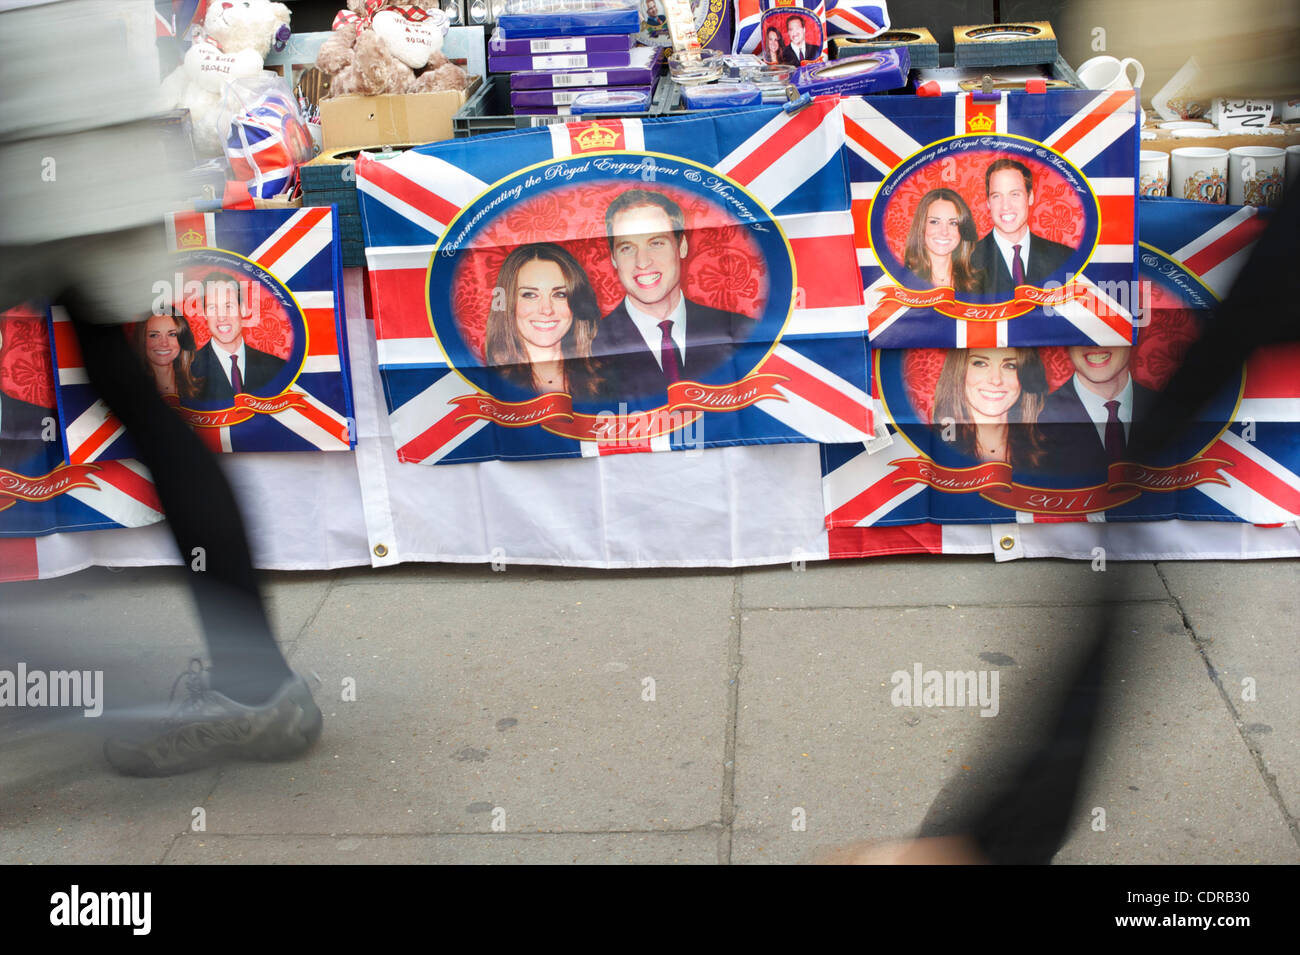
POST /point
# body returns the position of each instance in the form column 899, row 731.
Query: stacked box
column 643, row 66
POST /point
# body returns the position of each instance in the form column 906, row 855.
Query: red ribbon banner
column 16, row 487
column 244, row 408
column 944, row 301
column 685, row 399
column 1125, row 481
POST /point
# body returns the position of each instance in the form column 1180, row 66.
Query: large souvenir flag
column 1239, row 462
column 267, row 141
column 997, row 220
column 41, row 492
column 623, row 285
column 848, row 18
column 261, row 286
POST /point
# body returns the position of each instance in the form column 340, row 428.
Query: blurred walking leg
column 201, row 510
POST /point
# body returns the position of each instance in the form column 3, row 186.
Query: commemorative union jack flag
column 848, row 18
column 1240, row 463
column 41, row 492
column 290, row 261
column 1081, row 149
column 779, row 174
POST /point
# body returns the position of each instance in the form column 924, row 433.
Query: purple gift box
column 559, row 61
column 500, row 45
column 542, row 111
column 640, row 72
column 540, row 98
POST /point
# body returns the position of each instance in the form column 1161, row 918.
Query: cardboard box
column 369, row 121
column 1281, row 136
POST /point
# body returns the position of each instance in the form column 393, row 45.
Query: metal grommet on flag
column 381, row 550
column 1006, row 543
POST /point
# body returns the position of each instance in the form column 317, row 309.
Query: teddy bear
column 238, row 37
column 377, row 46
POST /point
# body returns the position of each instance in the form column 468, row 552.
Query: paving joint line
column 962, row 606
column 1270, row 780
column 292, row 646
column 162, row 860
column 706, row 827
column 728, row 815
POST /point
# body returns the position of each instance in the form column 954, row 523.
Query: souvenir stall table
column 840, row 367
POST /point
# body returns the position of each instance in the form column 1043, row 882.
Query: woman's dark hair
column 1024, row 443
column 965, row 277
column 504, row 348
column 188, row 385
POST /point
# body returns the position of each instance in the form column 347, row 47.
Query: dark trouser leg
column 200, row 507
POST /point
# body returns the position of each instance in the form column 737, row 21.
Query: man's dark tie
column 668, row 355
column 236, row 379
column 1115, row 443
column 1017, row 267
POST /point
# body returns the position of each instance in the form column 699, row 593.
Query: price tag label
column 560, row 62
column 580, row 79
column 558, row 45
column 1234, row 114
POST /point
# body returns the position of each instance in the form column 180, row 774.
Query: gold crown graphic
column 597, row 137
column 981, row 123
column 191, row 239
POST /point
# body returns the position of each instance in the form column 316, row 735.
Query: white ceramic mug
column 1153, row 178
column 1109, row 73
column 1255, row 175
column 1293, row 167
column 1200, row 173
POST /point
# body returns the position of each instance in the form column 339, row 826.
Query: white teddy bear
column 239, row 37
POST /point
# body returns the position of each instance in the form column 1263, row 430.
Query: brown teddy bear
column 376, row 49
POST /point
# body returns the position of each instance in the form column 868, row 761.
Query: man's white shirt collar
column 648, row 326
column 1095, row 405
column 223, row 359
column 1007, row 250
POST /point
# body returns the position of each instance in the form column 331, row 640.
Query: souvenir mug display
column 1255, row 175
column 1153, row 179
column 1200, row 173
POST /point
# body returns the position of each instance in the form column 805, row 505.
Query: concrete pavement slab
column 77, row 811
column 940, row 581
column 1175, row 779
column 1247, row 620
column 545, row 705
column 861, row 768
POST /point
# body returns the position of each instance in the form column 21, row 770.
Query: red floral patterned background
column 26, row 369
column 1057, row 212
column 267, row 330
column 723, row 267
column 1158, row 353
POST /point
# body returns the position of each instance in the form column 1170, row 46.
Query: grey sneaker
column 209, row 727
